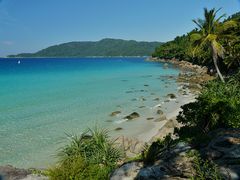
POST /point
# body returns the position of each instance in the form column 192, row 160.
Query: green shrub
column 218, row 106
column 92, row 155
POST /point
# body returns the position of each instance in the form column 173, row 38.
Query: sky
column 31, row 25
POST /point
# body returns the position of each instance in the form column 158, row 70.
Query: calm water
column 42, row 99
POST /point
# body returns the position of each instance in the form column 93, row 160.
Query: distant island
column 105, row 47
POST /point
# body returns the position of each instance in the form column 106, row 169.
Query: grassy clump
column 218, row 106
column 89, row 156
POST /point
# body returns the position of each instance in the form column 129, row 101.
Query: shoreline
column 158, row 128
column 190, row 81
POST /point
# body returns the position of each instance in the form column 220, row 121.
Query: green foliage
column 218, row 106
column 204, row 169
column 89, row 156
column 151, row 153
column 178, row 48
column 76, row 168
column 228, row 36
column 105, row 47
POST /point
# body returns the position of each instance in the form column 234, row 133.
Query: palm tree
column 210, row 31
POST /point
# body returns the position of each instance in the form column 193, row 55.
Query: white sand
column 143, row 129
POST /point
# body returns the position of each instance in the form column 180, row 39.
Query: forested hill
column 104, row 47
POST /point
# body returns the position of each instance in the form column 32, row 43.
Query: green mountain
column 104, row 47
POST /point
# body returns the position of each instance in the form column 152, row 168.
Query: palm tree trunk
column 215, row 61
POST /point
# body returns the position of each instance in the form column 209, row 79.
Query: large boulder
column 224, row 150
column 132, row 116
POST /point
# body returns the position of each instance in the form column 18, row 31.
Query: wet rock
column 167, row 100
column 132, row 116
column 118, row 129
column 129, row 91
column 115, row 113
column 156, row 99
column 134, row 99
column 141, row 106
column 171, row 96
column 109, row 120
column 159, row 111
column 146, row 85
column 150, row 118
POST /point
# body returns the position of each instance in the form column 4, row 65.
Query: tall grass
column 92, row 155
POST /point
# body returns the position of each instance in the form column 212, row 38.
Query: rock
column 12, row 173
column 132, row 116
column 224, row 150
column 109, row 120
column 171, row 96
column 141, row 106
column 129, row 91
column 146, row 85
column 161, row 118
column 115, row 113
column 35, row 177
column 231, row 172
column 171, row 124
column 153, row 172
column 156, row 99
column 127, row 171
column 118, row 129
column 159, row 111
column 150, row 118
column 167, row 100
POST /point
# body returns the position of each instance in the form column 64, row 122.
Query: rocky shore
column 178, row 164
column 190, row 81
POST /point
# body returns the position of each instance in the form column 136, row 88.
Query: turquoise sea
column 42, row 99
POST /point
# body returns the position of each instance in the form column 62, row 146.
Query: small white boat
column 19, row 62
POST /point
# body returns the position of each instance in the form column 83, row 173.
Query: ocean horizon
column 43, row 99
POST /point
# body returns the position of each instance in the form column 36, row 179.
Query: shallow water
column 42, row 99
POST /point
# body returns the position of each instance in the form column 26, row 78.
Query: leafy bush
column 89, row 156
column 218, row 106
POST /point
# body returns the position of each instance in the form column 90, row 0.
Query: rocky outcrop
column 175, row 163
column 224, row 150
column 115, row 113
column 12, row 173
column 193, row 76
